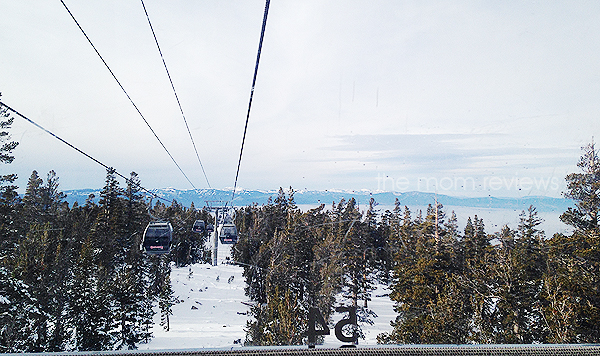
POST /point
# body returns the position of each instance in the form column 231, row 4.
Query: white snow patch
column 4, row 300
column 210, row 313
column 213, row 313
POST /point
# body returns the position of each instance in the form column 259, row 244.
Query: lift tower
column 215, row 206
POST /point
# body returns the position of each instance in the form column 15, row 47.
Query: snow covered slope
column 212, row 313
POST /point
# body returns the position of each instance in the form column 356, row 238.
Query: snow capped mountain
column 327, row 197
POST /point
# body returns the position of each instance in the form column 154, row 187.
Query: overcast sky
column 470, row 98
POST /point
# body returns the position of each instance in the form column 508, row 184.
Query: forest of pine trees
column 74, row 278
column 449, row 286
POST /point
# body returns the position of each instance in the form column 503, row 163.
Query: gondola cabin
column 199, row 226
column 228, row 234
column 210, row 228
column 157, row 238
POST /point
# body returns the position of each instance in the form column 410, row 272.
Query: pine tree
column 7, row 147
column 354, row 243
column 517, row 268
column 33, row 265
column 326, row 268
column 391, row 221
column 287, row 325
column 32, row 200
column 19, row 314
column 476, row 258
column 52, row 198
column 429, row 299
column 254, row 245
column 530, row 261
column 132, row 312
column 584, row 189
column 287, row 272
column 10, row 207
column 110, row 231
column 90, row 310
column 43, row 200
column 166, row 298
column 571, row 285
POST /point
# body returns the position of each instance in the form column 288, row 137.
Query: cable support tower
column 262, row 35
column 125, row 92
column 175, row 92
column 82, row 152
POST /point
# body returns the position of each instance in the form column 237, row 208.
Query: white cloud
column 488, row 88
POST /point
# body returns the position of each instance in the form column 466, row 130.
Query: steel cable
column 126, row 94
column 80, row 151
column 175, row 92
column 262, row 35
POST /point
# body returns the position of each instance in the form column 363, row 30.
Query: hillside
column 212, row 310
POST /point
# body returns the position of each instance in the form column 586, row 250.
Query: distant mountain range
column 328, row 197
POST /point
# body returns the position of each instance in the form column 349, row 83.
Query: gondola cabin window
column 199, row 226
column 157, row 238
column 228, row 234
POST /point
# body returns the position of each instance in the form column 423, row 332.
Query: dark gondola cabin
column 228, row 234
column 157, row 238
column 199, row 226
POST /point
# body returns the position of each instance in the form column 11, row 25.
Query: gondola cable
column 80, row 151
column 175, row 92
column 126, row 94
column 262, row 35
column 227, row 232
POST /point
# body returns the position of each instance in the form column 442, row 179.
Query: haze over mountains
column 327, row 197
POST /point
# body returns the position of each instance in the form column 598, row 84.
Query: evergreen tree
column 571, row 285
column 136, row 208
column 132, row 312
column 33, row 265
column 286, row 325
column 166, row 298
column 517, row 269
column 91, row 306
column 42, row 202
column 110, row 232
column 391, row 221
column 429, row 299
column 584, row 189
column 253, row 249
column 19, row 316
column 359, row 258
column 52, row 198
column 32, row 200
column 287, row 271
column 326, row 268
column 531, row 264
column 477, row 256
column 10, row 207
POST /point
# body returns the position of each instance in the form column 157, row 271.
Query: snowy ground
column 212, row 313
